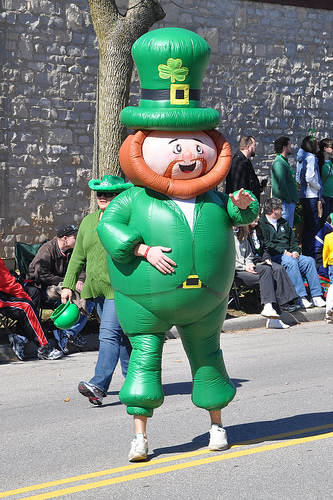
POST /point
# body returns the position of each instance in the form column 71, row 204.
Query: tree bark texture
column 116, row 34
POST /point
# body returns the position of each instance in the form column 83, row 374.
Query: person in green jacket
column 170, row 239
column 89, row 253
column 284, row 184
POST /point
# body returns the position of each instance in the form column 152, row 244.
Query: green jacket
column 140, row 215
column 89, row 251
column 282, row 239
column 283, row 181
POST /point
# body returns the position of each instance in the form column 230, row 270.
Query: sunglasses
column 105, row 194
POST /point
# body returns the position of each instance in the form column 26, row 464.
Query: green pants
column 142, row 390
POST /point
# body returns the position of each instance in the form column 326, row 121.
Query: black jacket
column 261, row 253
column 242, row 175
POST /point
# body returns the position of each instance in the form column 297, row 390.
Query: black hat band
column 178, row 92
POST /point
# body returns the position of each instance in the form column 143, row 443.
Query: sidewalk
column 246, row 322
column 250, row 321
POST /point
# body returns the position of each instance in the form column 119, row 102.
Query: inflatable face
column 182, row 155
column 178, row 164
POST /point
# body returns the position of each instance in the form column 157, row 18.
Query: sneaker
column 18, row 343
column 91, row 391
column 62, row 339
column 78, row 340
column 276, row 323
column 269, row 311
column 48, row 352
column 139, row 448
column 218, row 438
column 289, row 308
column 304, row 303
column 318, row 301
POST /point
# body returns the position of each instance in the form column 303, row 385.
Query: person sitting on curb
column 253, row 270
column 18, row 305
column 318, row 247
column 284, row 249
column 328, row 253
column 48, row 269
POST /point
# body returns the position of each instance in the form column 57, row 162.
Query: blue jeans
column 296, row 268
column 82, row 321
column 288, row 212
column 113, row 345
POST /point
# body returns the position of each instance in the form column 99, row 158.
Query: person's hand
column 295, row 255
column 242, row 199
column 79, row 286
column 268, row 261
column 251, row 268
column 156, row 257
column 66, row 295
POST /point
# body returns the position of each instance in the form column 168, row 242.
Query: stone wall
column 48, row 89
column 270, row 74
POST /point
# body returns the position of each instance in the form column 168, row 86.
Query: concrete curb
column 251, row 321
column 247, row 322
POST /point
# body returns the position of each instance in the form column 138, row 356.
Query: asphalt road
column 280, row 427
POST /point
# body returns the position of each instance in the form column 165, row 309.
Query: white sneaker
column 318, row 301
column 218, row 438
column 304, row 303
column 276, row 323
column 269, row 311
column 139, row 448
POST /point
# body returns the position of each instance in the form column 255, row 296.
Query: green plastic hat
column 109, row 184
column 65, row 316
column 171, row 63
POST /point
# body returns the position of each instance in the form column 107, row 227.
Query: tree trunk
column 116, row 34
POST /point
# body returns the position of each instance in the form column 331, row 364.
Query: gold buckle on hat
column 192, row 282
column 185, row 91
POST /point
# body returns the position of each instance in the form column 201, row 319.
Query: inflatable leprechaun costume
column 170, row 238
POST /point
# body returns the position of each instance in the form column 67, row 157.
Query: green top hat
column 109, row 184
column 171, row 63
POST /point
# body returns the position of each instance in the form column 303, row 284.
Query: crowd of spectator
column 271, row 241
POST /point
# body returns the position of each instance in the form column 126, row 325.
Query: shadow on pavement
column 186, row 387
column 259, row 432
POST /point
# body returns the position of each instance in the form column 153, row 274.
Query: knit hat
column 171, row 63
column 109, row 184
column 66, row 230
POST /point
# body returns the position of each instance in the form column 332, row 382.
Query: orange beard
column 138, row 172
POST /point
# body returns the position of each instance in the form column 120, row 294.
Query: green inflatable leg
column 142, row 390
column 212, row 387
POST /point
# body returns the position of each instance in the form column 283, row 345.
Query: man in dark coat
column 241, row 173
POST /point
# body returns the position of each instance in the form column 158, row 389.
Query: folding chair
column 237, row 288
column 24, row 254
column 6, row 323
